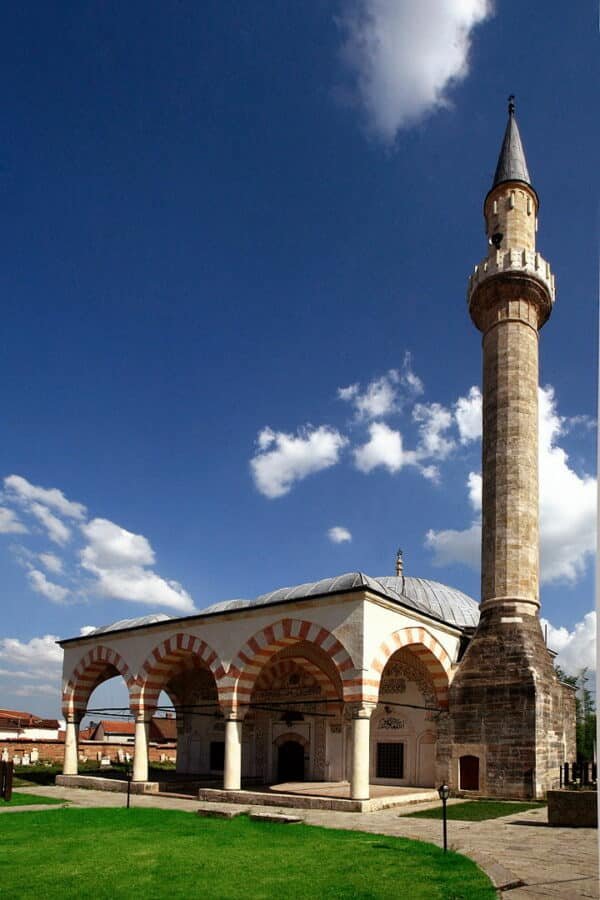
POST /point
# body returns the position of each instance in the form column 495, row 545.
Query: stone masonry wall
column 508, row 709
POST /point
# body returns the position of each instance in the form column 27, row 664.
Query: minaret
column 507, row 709
column 510, row 297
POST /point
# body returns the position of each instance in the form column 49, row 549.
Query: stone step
column 281, row 818
column 221, row 813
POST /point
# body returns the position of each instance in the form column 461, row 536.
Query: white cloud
column 567, row 503
column 434, row 420
column 467, row 412
column 25, row 492
column 474, row 487
column 455, row 546
column 409, row 379
column 567, row 509
column 384, row 448
column 9, row 523
column 139, row 585
column 51, row 562
column 35, row 690
column 338, row 534
column 382, row 396
column 283, row 459
column 117, row 559
column 58, row 532
column 48, row 589
column 576, row 649
column 403, row 57
column 110, row 546
column 39, row 656
column 86, row 629
column 580, row 422
column 379, row 398
column 348, row 393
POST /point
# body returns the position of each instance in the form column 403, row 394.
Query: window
column 390, row 760
column 217, row 756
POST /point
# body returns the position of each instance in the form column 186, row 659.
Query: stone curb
column 501, row 877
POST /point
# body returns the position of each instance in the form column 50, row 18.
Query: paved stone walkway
column 524, row 856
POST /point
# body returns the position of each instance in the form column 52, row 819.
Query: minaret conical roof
column 512, row 165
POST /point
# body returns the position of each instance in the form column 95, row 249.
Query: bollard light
column 444, row 793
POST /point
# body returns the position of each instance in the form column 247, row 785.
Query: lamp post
column 129, row 773
column 444, row 792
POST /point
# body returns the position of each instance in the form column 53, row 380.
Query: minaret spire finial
column 399, row 564
column 511, row 162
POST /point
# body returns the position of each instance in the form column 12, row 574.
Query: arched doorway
column 295, row 698
column 290, row 761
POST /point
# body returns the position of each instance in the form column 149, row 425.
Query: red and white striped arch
column 100, row 664
column 176, row 653
column 257, row 651
column 270, row 675
column 426, row 648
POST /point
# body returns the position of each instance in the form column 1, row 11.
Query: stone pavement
column 524, row 856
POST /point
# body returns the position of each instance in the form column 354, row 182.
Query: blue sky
column 242, row 232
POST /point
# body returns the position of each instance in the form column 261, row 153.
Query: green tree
column 585, row 712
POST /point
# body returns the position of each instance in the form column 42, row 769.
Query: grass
column 120, row 853
column 476, row 810
column 28, row 776
column 28, row 800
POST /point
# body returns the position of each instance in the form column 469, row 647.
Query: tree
column 585, row 713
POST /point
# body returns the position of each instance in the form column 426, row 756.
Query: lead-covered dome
column 435, row 599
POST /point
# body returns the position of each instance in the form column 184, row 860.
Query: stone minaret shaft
column 510, row 720
column 510, row 297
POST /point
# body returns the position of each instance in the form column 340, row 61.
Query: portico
column 296, row 686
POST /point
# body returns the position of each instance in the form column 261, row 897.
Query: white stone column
column 361, row 740
column 140, row 751
column 232, row 775
column 71, row 737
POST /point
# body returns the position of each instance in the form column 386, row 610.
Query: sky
column 235, row 347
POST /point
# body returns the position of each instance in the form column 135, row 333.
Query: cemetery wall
column 53, row 751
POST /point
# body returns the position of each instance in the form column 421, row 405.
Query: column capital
column 143, row 715
column 233, row 713
column 362, row 710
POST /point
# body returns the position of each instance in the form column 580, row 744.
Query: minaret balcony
column 502, row 262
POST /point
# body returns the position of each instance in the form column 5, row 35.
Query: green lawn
column 476, row 810
column 29, row 776
column 28, row 799
column 120, row 853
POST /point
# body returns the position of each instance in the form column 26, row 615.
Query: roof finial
column 511, row 105
column 399, row 564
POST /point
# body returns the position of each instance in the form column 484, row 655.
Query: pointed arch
column 258, row 650
column 282, row 667
column 174, row 653
column 97, row 665
column 427, row 648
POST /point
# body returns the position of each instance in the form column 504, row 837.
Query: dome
column 446, row 604
column 430, row 597
column 435, row 599
column 129, row 623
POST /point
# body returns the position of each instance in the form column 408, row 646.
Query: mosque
column 392, row 680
